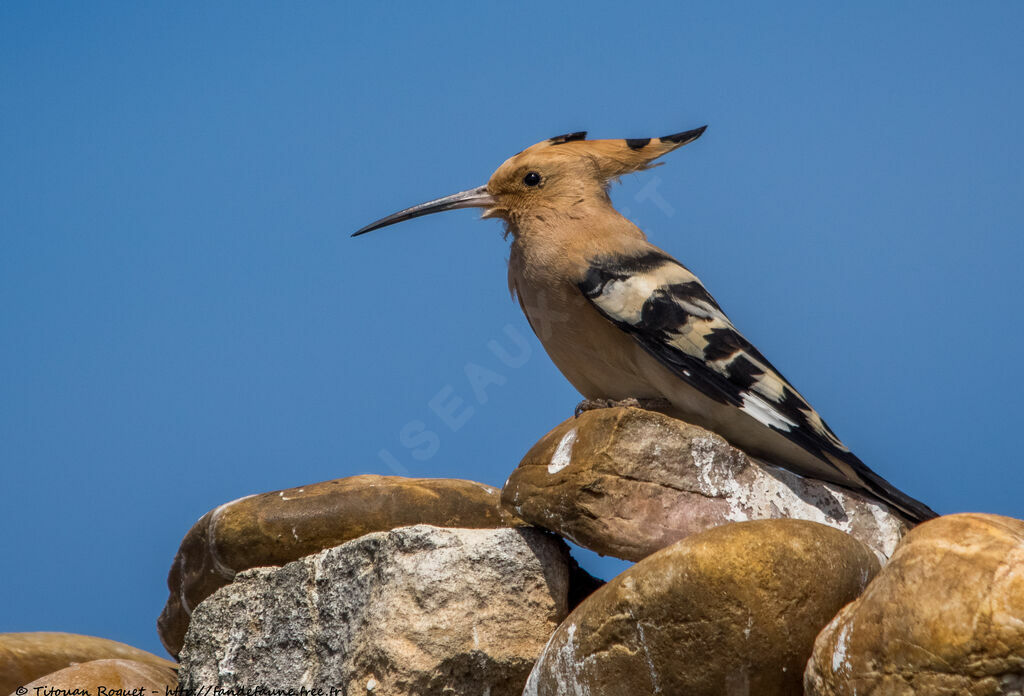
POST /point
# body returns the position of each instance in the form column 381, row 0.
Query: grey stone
column 416, row 610
column 271, row 529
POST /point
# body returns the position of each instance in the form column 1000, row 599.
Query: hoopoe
column 627, row 323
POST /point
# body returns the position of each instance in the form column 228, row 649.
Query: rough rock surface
column 24, row 657
column 127, row 675
column 626, row 482
column 271, row 529
column 417, row 610
column 945, row 617
column 733, row 610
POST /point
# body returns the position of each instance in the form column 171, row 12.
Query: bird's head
column 554, row 174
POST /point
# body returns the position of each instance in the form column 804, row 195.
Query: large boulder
column 106, row 676
column 733, row 610
column 271, row 529
column 25, row 657
column 945, row 617
column 626, row 482
column 417, row 610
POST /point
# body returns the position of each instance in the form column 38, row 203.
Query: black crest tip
column 568, row 138
column 684, row 137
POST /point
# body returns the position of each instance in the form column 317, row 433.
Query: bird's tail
column 914, row 510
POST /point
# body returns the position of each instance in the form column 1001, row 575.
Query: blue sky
column 186, row 320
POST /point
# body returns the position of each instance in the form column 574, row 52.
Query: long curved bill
column 472, row 198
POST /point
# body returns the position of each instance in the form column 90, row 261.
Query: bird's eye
column 531, row 179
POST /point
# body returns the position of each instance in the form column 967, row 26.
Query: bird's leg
column 648, row 404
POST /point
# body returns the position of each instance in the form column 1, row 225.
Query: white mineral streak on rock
column 565, row 668
column 563, row 453
column 218, row 564
column 315, row 567
column 888, row 527
column 783, row 493
column 702, row 450
column 647, row 657
column 839, row 655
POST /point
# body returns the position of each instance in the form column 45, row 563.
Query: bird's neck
column 557, row 245
column 580, row 221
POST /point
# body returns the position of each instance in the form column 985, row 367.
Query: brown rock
column 733, row 610
column 25, row 657
column 127, row 675
column 945, row 617
column 271, row 529
column 626, row 482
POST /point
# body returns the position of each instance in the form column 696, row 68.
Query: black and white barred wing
column 668, row 311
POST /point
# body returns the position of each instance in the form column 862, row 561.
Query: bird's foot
column 648, row 404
